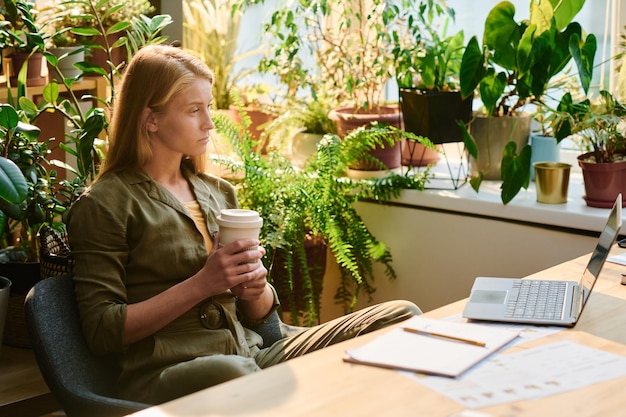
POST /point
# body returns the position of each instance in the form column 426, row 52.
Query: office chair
column 80, row 381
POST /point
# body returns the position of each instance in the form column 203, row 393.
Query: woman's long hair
column 155, row 75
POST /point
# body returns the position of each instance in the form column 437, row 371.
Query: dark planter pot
column 602, row 181
column 346, row 120
column 293, row 297
column 435, row 114
column 23, row 276
column 35, row 73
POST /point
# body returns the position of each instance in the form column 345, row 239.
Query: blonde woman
column 152, row 284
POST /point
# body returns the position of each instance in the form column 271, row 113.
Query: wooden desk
column 320, row 384
column 23, row 391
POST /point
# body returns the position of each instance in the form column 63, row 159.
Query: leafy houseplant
column 598, row 126
column 23, row 40
column 210, row 31
column 342, row 50
column 314, row 203
column 349, row 43
column 99, row 25
column 304, row 122
column 427, row 76
column 513, row 67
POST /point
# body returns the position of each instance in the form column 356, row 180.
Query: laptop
column 558, row 303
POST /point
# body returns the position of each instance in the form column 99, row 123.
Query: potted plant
column 314, row 204
column 22, row 42
column 21, row 218
column 512, row 68
column 60, row 43
column 100, row 26
column 345, row 50
column 211, row 31
column 598, row 127
column 427, row 76
column 303, row 123
column 48, row 197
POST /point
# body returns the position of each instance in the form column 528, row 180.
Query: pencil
column 445, row 336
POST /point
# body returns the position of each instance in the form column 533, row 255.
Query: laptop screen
column 598, row 257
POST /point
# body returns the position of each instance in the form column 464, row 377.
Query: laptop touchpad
column 488, row 296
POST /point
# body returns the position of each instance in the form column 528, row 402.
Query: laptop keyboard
column 535, row 299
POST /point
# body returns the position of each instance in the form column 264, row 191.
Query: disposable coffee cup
column 237, row 224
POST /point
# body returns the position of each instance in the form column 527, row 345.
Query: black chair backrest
column 82, row 382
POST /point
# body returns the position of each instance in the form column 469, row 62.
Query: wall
column 437, row 255
column 441, row 240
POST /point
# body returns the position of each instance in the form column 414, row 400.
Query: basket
column 54, row 253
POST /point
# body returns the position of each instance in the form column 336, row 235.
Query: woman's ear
column 148, row 119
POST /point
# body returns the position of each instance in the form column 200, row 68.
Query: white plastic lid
column 239, row 218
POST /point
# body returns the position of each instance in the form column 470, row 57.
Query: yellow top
column 194, row 210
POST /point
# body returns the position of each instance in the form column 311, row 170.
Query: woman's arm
column 225, row 268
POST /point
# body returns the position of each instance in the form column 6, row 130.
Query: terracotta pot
column 259, row 120
column 35, row 72
column 491, row 135
column 346, row 120
column 100, row 57
column 602, row 181
column 414, row 154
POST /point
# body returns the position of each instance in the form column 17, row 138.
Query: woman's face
column 183, row 128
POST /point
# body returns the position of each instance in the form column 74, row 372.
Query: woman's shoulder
column 112, row 189
column 215, row 181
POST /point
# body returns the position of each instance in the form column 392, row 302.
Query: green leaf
column 514, row 170
column 468, row 140
column 583, row 53
column 524, row 49
column 51, row 92
column 118, row 27
column 502, row 34
column 8, row 117
column 561, row 55
column 491, row 89
column 472, row 68
column 13, row 187
column 476, row 181
column 565, row 11
column 87, row 31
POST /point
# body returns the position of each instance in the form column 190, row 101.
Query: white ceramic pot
column 68, row 56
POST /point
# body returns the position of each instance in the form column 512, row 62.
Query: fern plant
column 315, row 204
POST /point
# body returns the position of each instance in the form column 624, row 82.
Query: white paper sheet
column 400, row 349
column 618, row 259
column 528, row 374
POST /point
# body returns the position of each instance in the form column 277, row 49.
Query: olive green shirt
column 132, row 239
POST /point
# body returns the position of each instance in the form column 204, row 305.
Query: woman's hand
column 235, row 267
